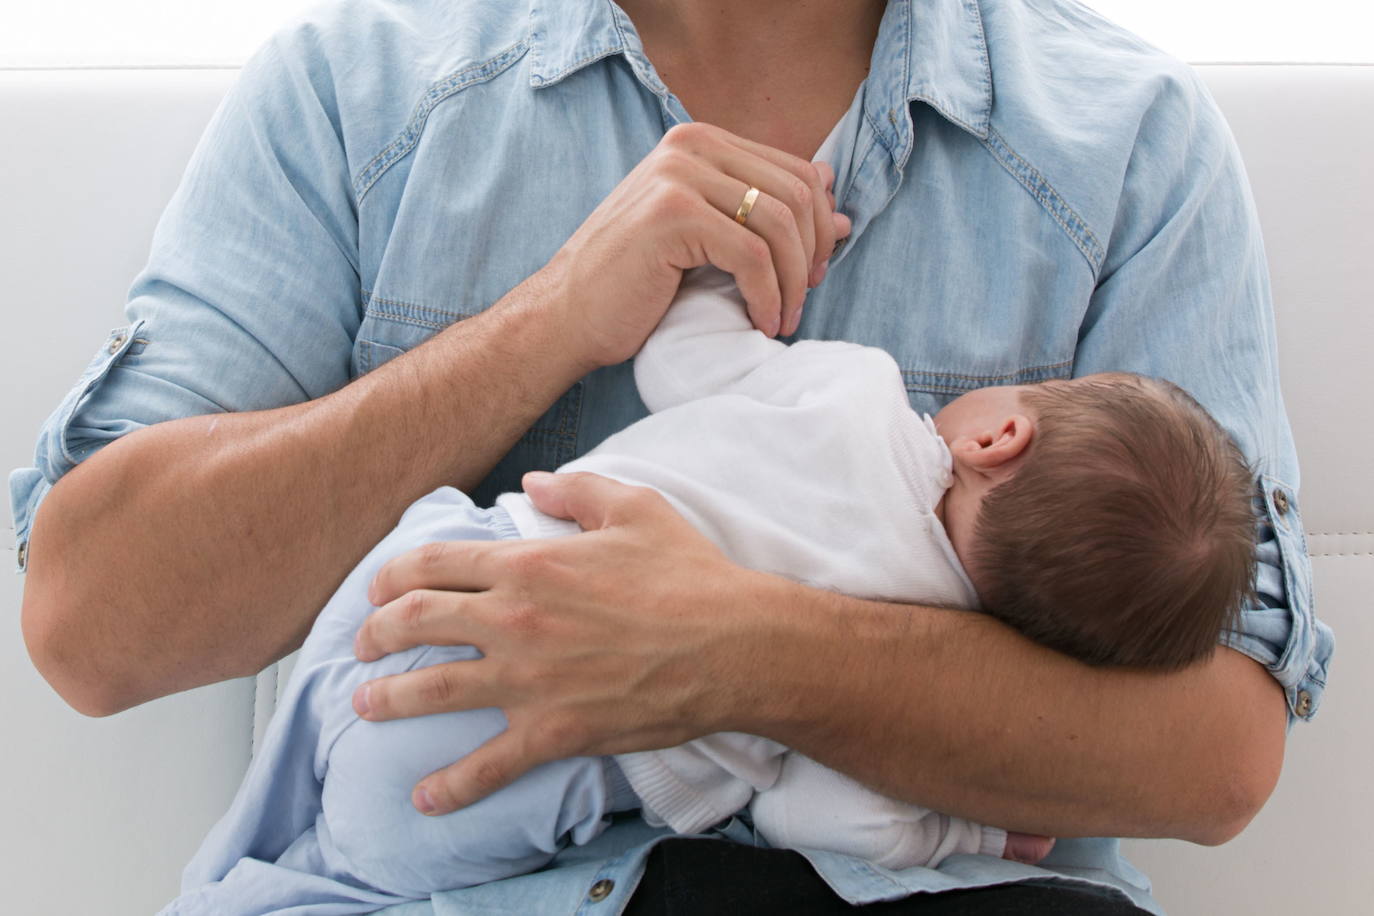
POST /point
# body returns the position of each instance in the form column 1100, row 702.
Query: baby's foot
column 1027, row 848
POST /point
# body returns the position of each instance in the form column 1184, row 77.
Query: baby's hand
column 1027, row 848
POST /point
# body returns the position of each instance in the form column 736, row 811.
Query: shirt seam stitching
column 988, row 378
column 593, row 57
column 414, row 306
column 410, row 319
column 437, row 92
column 1068, row 219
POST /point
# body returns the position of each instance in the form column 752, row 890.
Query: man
column 1032, row 194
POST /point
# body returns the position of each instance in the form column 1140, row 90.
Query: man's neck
column 777, row 71
column 739, row 31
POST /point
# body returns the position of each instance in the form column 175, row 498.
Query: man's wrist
column 548, row 299
column 786, row 650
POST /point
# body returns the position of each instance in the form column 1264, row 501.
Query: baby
column 1107, row 517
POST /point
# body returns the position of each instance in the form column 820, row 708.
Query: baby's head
column 1108, row 516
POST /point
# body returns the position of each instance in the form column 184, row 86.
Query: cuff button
column 1304, row 706
column 1281, row 502
column 601, row 890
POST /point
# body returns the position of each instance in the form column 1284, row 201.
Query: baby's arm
column 812, row 806
column 704, row 343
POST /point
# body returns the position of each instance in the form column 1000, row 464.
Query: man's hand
column 640, row 634
column 675, row 211
column 599, row 643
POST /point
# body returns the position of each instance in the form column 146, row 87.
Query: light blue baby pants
column 323, row 822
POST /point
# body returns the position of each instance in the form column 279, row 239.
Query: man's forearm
column 202, row 548
column 955, row 711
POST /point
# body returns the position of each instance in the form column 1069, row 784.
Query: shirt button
column 1304, row 703
column 601, row 890
column 116, row 344
column 1281, row 502
column 23, row 557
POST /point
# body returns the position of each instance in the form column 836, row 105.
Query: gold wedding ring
column 746, row 205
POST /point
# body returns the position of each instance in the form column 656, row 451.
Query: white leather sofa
column 98, row 816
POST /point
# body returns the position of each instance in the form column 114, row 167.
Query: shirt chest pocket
column 391, row 328
column 947, row 350
column 956, row 324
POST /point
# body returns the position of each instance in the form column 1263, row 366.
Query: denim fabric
column 1035, row 194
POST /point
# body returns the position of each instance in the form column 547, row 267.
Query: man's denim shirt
column 1035, row 194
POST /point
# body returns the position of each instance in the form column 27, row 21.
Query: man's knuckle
column 756, row 250
column 674, row 135
column 488, row 775
column 437, row 686
column 643, row 499
column 524, row 617
column 801, row 195
column 685, row 134
column 778, row 211
column 675, row 201
column 412, row 609
column 565, row 736
column 671, row 164
column 527, row 564
column 432, row 555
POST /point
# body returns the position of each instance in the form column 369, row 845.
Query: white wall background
column 102, row 33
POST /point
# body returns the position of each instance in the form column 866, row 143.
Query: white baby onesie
column 806, row 461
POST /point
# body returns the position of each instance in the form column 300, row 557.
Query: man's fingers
column 823, row 207
column 766, row 255
column 808, row 172
column 593, row 501
column 492, row 766
column 827, row 175
column 451, row 565
column 423, row 617
column 439, row 688
column 769, row 276
column 843, row 226
column 795, row 193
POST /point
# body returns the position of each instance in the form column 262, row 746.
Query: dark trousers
column 695, row 877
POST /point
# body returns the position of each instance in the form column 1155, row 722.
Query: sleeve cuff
column 27, row 489
column 1279, row 631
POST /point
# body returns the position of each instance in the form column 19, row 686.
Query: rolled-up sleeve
column 1279, row 630
column 250, row 298
column 1183, row 294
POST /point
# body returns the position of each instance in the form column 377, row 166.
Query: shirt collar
column 927, row 50
column 940, row 47
column 567, row 35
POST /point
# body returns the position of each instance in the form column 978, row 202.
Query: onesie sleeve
column 704, row 344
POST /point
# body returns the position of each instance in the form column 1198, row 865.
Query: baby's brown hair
column 1127, row 535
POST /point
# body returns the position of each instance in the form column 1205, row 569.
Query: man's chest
column 954, row 270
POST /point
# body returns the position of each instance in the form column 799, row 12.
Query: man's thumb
column 583, row 497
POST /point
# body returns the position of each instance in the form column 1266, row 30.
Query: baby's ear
column 1008, row 442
